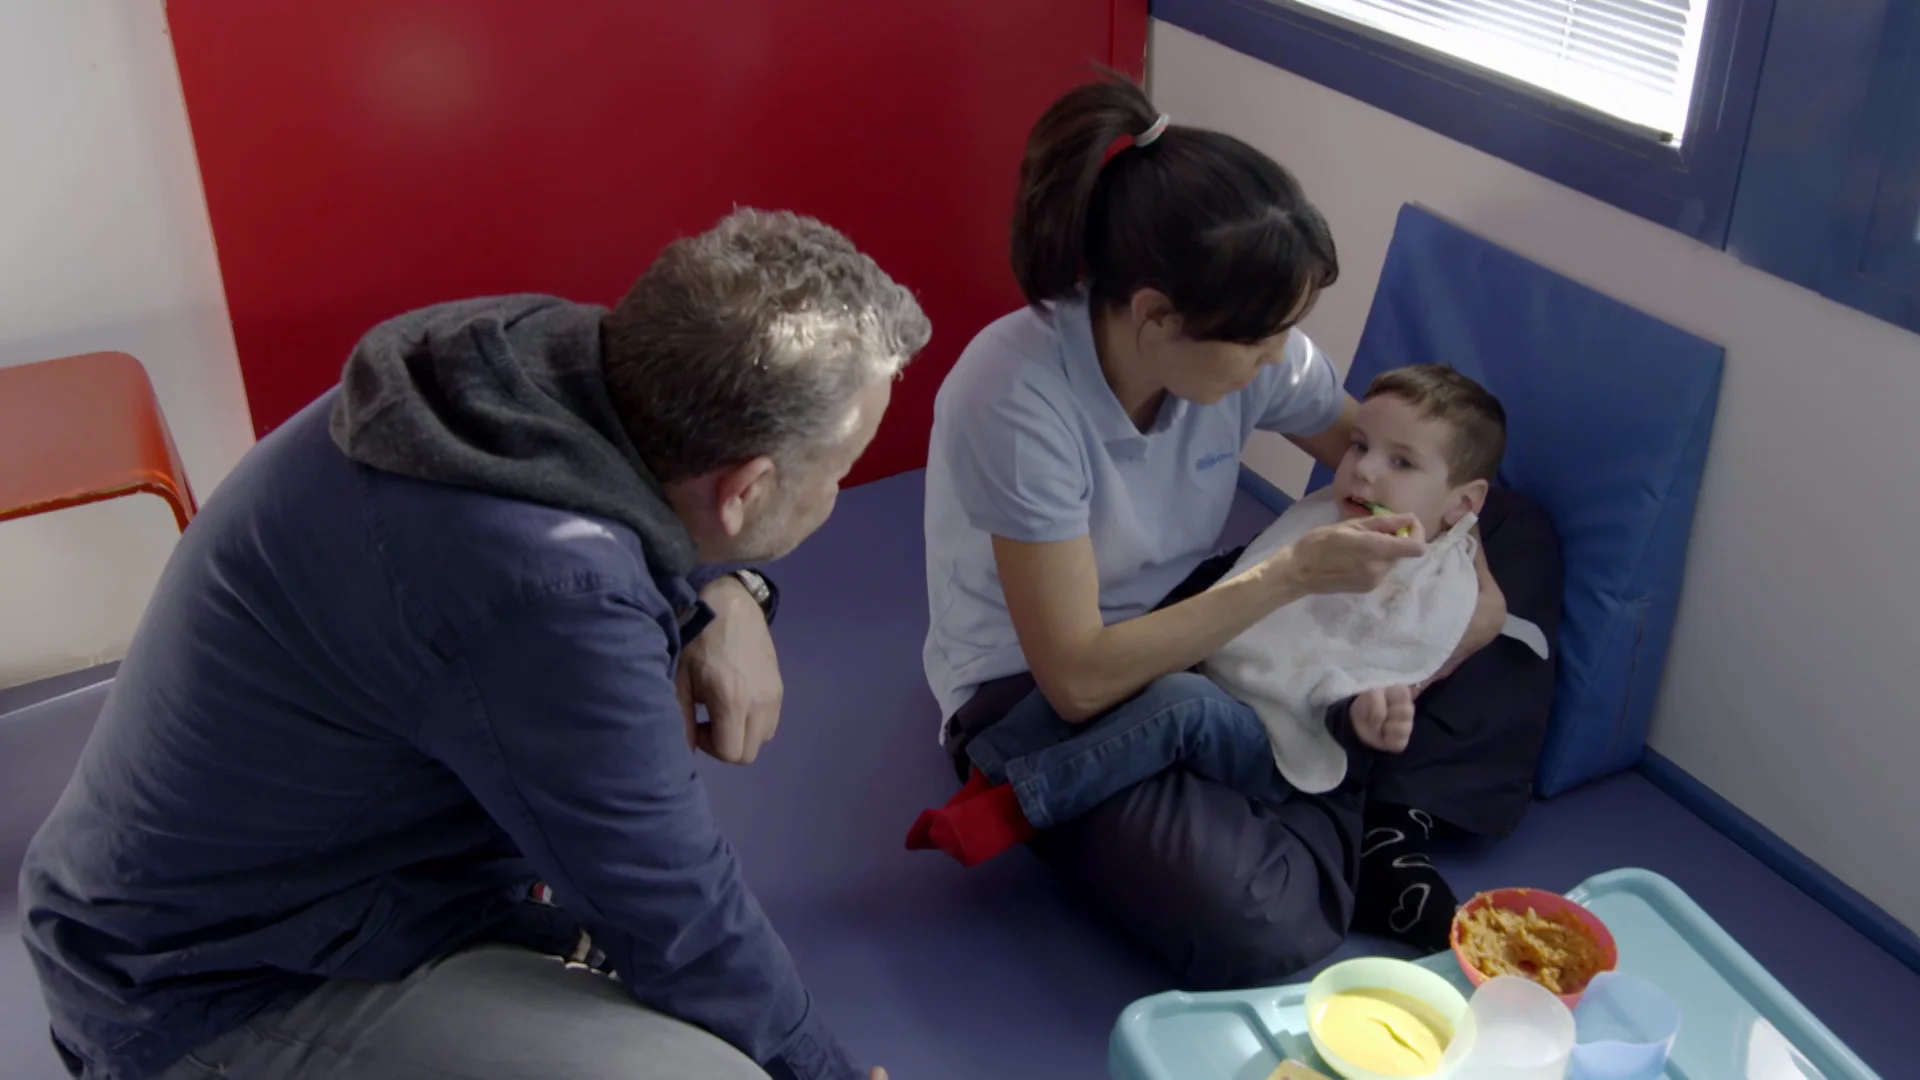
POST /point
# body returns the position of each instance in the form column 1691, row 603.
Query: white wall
column 1788, row 689
column 104, row 244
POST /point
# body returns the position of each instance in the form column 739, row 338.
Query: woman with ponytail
column 1084, row 460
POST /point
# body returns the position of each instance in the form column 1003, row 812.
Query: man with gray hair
column 397, row 779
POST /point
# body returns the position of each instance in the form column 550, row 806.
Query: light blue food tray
column 1724, row 996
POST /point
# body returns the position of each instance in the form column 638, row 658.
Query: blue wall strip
column 1784, row 859
column 15, row 698
column 1688, row 187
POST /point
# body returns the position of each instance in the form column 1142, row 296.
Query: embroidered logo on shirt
column 1218, row 457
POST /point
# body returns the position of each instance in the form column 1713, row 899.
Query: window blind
column 1631, row 59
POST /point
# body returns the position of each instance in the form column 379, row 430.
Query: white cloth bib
column 1291, row 666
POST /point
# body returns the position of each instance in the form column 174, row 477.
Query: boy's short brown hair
column 1479, row 422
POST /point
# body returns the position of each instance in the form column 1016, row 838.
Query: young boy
column 1318, row 678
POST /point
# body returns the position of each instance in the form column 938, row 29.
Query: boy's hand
column 1383, row 719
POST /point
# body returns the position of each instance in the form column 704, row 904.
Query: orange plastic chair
column 83, row 429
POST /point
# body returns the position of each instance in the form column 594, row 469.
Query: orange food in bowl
column 1534, row 934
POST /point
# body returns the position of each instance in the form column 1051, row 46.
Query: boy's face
column 1399, row 460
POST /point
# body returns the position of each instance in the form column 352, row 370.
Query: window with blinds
column 1631, row 59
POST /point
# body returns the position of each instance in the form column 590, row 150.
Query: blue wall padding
column 1609, row 412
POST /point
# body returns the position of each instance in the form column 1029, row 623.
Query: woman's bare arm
column 1331, row 445
column 1489, row 618
column 1085, row 667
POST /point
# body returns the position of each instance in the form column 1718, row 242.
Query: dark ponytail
column 1216, row 225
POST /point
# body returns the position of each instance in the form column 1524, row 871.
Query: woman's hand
column 1351, row 557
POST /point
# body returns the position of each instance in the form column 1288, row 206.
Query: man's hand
column 731, row 669
column 1383, row 719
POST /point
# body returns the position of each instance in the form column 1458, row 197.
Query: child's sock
column 980, row 822
column 1400, row 894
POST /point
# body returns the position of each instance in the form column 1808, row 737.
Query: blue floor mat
column 941, row 973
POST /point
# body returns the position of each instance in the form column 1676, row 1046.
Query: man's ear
column 1468, row 498
column 738, row 489
column 1150, row 309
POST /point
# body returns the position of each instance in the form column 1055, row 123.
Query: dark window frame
column 1689, row 187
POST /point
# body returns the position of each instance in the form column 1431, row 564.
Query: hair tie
column 1127, row 142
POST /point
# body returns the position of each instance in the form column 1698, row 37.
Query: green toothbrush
column 1381, row 511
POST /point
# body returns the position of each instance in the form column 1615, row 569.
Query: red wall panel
column 363, row 157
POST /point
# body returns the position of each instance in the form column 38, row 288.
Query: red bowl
column 1546, row 903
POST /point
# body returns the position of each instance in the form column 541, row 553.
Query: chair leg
column 178, row 500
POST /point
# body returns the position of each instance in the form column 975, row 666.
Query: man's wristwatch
column 760, row 589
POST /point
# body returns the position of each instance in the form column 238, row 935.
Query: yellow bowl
column 1432, row 999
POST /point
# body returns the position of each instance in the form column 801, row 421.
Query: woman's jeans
column 1060, row 771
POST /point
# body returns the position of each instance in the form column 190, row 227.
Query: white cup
column 1524, row 1032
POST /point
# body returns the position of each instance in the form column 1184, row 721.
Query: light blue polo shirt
column 1030, row 443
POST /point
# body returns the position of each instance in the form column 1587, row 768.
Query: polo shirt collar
column 1074, row 321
